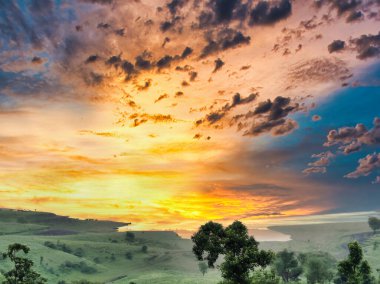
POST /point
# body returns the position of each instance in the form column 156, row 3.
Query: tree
column 202, row 267
column 287, row 266
column 265, row 277
column 374, row 224
column 241, row 252
column 129, row 237
column 22, row 271
column 144, row 249
column 354, row 270
column 318, row 271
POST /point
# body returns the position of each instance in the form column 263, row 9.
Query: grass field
column 69, row 249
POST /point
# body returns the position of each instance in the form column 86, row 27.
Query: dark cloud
column 341, row 6
column 218, row 115
column 174, row 5
column 218, row 64
column 336, row 45
column 277, row 127
column 354, row 16
column 92, row 58
column 164, row 62
column 143, row 63
column 218, row 12
column 100, row 2
column 265, row 12
column 367, row 46
column 114, row 60
column 186, row 52
column 222, row 40
column 36, row 60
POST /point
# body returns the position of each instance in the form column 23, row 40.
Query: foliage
column 265, row 277
column 22, row 271
column 374, row 224
column 287, row 266
column 129, row 236
column 241, row 252
column 80, row 266
column 354, row 270
column 144, row 249
column 129, row 255
column 202, row 267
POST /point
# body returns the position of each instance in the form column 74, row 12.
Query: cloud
column 218, row 65
column 366, row 166
column 218, row 115
column 377, row 180
column 355, row 16
column 367, row 46
column 352, row 139
column 224, row 39
column 314, row 170
column 164, row 96
column 277, row 127
column 266, row 13
column 336, row 45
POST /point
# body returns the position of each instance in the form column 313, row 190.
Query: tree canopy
column 374, row 224
column 240, row 251
column 22, row 271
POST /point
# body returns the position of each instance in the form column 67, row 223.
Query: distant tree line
column 244, row 263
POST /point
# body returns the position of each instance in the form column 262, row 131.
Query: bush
column 129, row 237
column 129, row 255
column 144, row 249
column 79, row 252
column 79, row 266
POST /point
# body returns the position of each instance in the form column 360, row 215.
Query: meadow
column 65, row 249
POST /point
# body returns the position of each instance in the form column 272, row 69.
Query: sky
column 170, row 113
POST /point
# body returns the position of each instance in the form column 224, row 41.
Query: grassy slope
column 332, row 238
column 169, row 258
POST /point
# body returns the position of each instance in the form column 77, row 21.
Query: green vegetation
column 374, row 224
column 287, row 266
column 22, row 271
column 240, row 251
column 354, row 270
column 65, row 253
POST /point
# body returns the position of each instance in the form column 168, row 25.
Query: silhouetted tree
column 374, row 224
column 22, row 272
column 354, row 270
column 241, row 252
column 129, row 236
column 287, row 266
column 144, row 249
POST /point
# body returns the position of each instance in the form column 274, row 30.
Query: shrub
column 144, row 249
column 129, row 255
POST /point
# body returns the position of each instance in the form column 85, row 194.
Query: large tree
column 374, row 224
column 287, row 266
column 354, row 270
column 240, row 251
column 22, row 273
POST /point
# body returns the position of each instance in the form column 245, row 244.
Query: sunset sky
column 167, row 114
